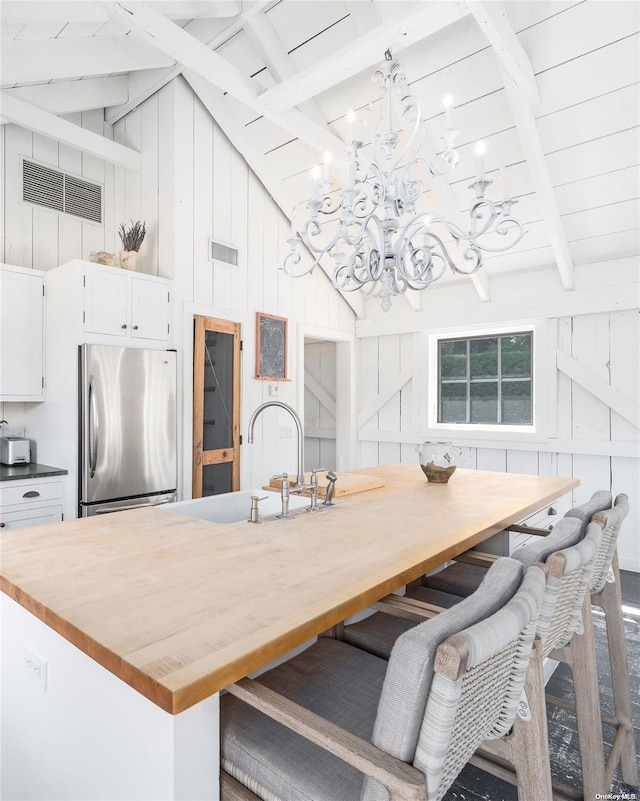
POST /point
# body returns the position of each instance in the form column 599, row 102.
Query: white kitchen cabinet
column 31, row 502
column 121, row 304
column 21, row 334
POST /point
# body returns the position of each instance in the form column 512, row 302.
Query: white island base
column 91, row 736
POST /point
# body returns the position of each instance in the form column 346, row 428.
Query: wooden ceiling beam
column 42, row 122
column 146, row 83
column 195, row 56
column 66, row 97
column 523, row 95
column 363, row 54
column 536, row 161
column 493, row 21
column 265, row 39
column 152, row 27
column 44, row 60
column 246, row 145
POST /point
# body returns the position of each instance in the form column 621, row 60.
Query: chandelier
column 378, row 239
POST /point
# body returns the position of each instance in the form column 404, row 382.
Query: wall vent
column 60, row 191
column 223, row 251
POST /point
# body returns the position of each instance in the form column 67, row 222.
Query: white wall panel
column 584, row 433
column 41, row 238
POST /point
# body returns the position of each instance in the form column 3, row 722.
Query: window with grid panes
column 486, row 379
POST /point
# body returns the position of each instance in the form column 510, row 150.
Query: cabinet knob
column 124, row 325
column 135, row 327
column 31, row 494
column 2, row 525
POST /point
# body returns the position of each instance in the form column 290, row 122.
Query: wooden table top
column 180, row 608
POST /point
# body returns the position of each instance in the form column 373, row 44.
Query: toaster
column 14, row 450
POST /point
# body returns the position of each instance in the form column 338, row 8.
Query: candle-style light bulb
column 447, row 102
column 481, row 149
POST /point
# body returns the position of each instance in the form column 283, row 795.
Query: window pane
column 217, row 478
column 484, row 402
column 483, row 358
column 453, row 403
column 453, row 359
column 516, row 402
column 516, row 356
column 217, row 430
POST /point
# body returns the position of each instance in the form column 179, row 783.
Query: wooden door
column 216, row 407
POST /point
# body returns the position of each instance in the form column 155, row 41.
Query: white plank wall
column 39, row 238
column 586, row 438
column 195, row 182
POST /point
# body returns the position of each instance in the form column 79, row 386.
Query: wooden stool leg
column 585, row 684
column 610, row 600
column 531, row 741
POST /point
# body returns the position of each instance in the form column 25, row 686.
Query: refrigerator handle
column 93, row 428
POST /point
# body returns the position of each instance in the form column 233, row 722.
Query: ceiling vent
column 223, row 251
column 57, row 190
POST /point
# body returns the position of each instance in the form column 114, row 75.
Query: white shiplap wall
column 196, row 183
column 585, row 437
column 37, row 237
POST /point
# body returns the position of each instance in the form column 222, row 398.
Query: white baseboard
column 629, row 564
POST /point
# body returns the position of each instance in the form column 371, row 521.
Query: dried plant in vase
column 131, row 237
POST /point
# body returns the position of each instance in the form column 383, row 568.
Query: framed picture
column 271, row 347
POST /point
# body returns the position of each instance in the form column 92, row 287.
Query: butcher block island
column 179, row 608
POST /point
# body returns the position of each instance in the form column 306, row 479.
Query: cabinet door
column 149, row 309
column 106, row 302
column 21, row 336
column 30, row 517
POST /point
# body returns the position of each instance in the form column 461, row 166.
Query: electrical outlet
column 274, row 389
column 35, row 667
column 286, row 432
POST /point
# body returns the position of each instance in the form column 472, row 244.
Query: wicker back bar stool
column 605, row 594
column 336, row 723
column 569, row 561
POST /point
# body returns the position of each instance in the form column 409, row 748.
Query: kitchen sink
column 232, row 507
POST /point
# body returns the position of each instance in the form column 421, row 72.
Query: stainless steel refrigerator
column 127, row 428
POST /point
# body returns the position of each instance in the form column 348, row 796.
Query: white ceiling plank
column 536, row 161
column 365, row 16
column 66, row 97
column 493, row 20
column 55, row 59
column 198, row 58
column 42, row 122
column 74, row 11
column 151, row 26
column 250, row 151
column 363, row 54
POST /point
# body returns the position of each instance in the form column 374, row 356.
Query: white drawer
column 30, row 517
column 29, row 492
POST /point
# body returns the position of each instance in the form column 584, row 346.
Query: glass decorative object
column 438, row 460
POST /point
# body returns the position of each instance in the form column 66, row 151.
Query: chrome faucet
column 296, row 420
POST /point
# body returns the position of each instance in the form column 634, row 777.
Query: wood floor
column 473, row 784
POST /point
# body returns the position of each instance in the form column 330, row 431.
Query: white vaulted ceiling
column 552, row 87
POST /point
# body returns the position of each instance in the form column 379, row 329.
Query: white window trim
column 428, row 387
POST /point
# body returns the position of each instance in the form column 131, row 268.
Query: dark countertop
column 17, row 472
